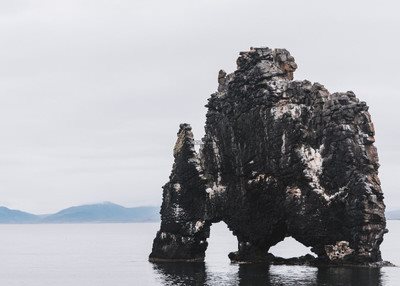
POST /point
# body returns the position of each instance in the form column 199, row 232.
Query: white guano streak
column 313, row 160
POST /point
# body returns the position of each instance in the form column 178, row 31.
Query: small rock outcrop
column 279, row 158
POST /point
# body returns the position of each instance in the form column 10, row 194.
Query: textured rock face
column 183, row 231
column 279, row 158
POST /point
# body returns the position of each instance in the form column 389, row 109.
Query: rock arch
column 279, row 158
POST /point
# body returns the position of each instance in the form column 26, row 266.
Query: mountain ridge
column 106, row 212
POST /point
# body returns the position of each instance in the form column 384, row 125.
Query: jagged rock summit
column 279, row 158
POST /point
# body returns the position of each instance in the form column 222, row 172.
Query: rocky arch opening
column 290, row 247
column 220, row 243
column 223, row 246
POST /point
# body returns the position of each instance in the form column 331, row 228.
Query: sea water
column 116, row 255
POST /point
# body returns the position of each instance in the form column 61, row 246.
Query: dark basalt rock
column 279, row 158
column 183, row 231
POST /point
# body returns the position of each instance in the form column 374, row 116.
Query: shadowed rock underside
column 279, row 158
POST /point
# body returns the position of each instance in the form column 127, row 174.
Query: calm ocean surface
column 116, row 254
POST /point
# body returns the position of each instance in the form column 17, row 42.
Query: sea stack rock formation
column 279, row 158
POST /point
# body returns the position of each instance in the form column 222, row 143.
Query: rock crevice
column 279, row 158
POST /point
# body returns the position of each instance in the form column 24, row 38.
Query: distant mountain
column 393, row 214
column 104, row 212
column 95, row 213
column 14, row 216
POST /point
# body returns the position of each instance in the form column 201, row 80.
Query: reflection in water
column 254, row 274
column 357, row 276
column 263, row 274
column 181, row 273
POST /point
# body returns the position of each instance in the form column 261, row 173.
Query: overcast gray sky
column 92, row 92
